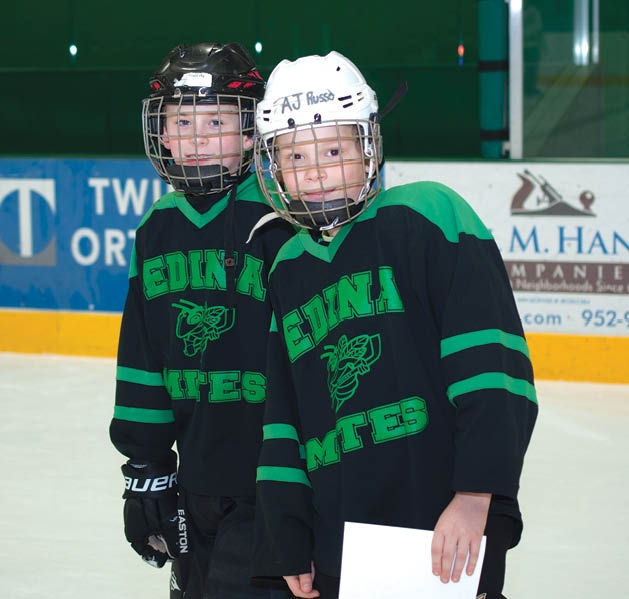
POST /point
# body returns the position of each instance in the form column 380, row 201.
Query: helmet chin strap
column 323, row 215
column 201, row 180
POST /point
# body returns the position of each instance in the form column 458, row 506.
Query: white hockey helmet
column 307, row 94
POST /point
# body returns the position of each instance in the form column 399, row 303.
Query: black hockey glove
column 150, row 510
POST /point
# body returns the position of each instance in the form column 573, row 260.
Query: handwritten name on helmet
column 194, row 80
column 150, row 485
column 296, row 101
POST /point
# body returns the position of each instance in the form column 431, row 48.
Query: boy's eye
column 290, row 157
column 334, row 152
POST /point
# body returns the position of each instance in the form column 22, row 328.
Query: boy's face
column 321, row 164
column 205, row 134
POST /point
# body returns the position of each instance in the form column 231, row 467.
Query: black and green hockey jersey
column 191, row 356
column 398, row 374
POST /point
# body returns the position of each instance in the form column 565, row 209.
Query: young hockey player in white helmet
column 191, row 354
column 344, row 114
column 400, row 386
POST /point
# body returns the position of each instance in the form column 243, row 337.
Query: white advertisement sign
column 562, row 229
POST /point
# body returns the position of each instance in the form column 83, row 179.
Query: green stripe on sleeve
column 141, row 377
column 282, row 474
column 283, row 431
column 144, row 415
column 492, row 380
column 452, row 345
column 279, row 431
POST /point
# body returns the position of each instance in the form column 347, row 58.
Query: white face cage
column 320, row 176
column 199, row 146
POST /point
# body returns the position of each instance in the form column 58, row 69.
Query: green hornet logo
column 196, row 325
column 346, row 361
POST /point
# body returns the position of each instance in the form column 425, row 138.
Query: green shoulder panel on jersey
column 303, row 242
column 248, row 191
column 438, row 203
column 133, row 263
column 168, row 201
column 292, row 249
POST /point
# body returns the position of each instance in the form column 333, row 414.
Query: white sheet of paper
column 388, row 562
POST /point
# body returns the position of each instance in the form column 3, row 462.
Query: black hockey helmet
column 223, row 75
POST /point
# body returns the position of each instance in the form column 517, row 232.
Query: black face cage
column 345, row 198
column 199, row 173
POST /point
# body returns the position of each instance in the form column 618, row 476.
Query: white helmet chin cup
column 308, row 93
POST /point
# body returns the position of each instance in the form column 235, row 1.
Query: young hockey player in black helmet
column 190, row 383
column 400, row 391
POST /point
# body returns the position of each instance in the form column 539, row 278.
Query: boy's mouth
column 199, row 161
column 313, row 196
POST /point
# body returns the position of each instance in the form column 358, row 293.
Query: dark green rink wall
column 54, row 104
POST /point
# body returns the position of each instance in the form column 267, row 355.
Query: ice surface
column 61, row 509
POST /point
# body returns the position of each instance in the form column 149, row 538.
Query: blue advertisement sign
column 67, row 228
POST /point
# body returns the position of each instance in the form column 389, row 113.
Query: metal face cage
column 320, row 176
column 199, row 145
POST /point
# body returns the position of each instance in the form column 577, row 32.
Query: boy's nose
column 202, row 140
column 315, row 173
